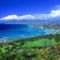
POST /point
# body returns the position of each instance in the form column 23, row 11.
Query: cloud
column 52, row 14
column 55, row 13
column 10, row 17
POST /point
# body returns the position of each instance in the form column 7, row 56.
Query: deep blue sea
column 21, row 31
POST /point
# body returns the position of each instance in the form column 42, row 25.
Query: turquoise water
column 21, row 31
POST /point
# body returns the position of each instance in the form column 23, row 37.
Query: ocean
column 21, row 31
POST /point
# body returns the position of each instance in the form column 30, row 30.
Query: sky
column 29, row 9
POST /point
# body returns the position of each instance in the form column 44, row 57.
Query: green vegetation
column 40, row 43
column 36, row 48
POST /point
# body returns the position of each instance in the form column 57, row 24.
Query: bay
column 21, row 31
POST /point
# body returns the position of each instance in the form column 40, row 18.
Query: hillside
column 37, row 48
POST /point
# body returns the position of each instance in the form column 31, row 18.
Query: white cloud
column 52, row 14
column 10, row 17
column 26, row 17
column 55, row 13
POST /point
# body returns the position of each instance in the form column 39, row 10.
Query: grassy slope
column 40, row 43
